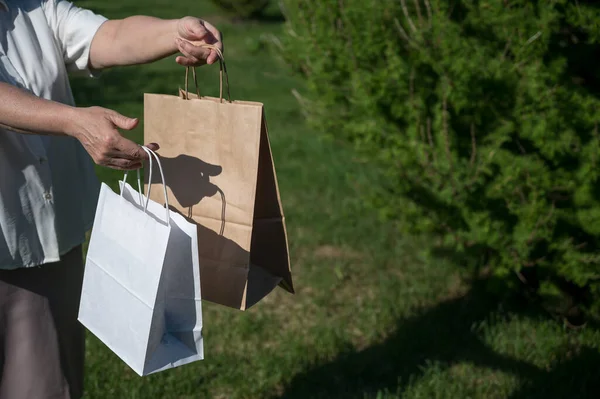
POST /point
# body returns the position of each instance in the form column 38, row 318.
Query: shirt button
column 48, row 196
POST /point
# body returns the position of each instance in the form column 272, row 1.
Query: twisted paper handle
column 222, row 73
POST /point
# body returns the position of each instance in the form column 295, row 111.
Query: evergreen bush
column 482, row 114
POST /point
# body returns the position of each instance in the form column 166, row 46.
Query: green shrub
column 244, row 9
column 483, row 115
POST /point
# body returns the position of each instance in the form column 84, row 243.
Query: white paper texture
column 141, row 289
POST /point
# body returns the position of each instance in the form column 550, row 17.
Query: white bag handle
column 151, row 154
column 164, row 182
column 139, row 182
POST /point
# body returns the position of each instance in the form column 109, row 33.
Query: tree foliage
column 483, row 115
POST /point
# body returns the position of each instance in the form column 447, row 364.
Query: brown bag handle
column 222, row 72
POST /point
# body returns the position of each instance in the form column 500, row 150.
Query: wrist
column 173, row 33
column 70, row 121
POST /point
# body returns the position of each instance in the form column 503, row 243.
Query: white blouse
column 48, row 187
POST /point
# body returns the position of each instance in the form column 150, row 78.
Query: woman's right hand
column 97, row 130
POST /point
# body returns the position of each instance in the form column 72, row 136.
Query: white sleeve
column 74, row 28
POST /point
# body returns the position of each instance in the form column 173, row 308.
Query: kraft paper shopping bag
column 220, row 174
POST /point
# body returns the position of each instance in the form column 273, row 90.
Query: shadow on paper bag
column 227, row 276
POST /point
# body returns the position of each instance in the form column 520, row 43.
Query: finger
column 184, row 61
column 123, row 164
column 120, row 154
column 215, row 37
column 153, row 146
column 127, row 149
column 184, row 47
column 216, row 40
column 195, row 29
column 212, row 58
column 121, row 121
column 181, row 60
column 194, row 53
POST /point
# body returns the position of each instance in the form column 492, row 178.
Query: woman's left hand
column 191, row 33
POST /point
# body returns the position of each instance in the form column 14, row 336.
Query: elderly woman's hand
column 191, row 34
column 97, row 130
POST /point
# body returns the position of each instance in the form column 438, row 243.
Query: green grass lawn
column 373, row 317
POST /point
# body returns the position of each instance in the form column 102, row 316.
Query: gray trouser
column 42, row 345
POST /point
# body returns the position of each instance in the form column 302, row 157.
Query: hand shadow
column 189, row 180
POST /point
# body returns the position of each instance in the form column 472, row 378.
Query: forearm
column 23, row 112
column 134, row 40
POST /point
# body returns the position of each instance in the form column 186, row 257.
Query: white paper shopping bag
column 141, row 289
